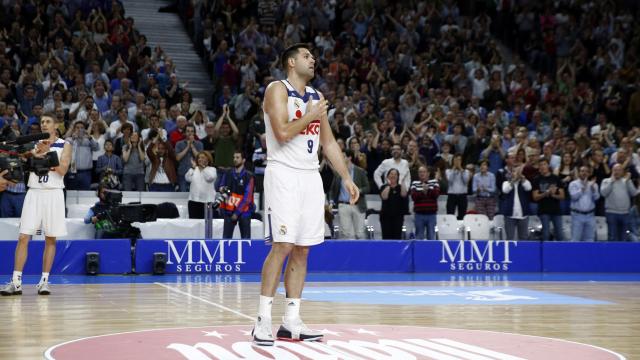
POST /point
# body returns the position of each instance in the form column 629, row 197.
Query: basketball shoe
column 11, row 289
column 262, row 332
column 295, row 329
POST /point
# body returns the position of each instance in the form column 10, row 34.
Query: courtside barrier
column 115, row 256
column 247, row 256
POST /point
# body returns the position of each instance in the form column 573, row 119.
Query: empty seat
column 372, row 222
column 448, row 228
column 477, row 226
column 497, row 226
column 602, row 229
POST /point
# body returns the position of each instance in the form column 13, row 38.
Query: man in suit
column 351, row 216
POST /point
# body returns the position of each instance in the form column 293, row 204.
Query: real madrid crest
column 283, row 230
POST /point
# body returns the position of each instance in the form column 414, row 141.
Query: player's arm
column 65, row 160
column 275, row 105
column 333, row 153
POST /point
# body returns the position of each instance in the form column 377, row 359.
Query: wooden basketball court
column 34, row 323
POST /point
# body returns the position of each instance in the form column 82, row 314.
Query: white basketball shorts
column 43, row 209
column 294, row 203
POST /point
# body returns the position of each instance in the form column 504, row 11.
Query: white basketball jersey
column 301, row 152
column 53, row 180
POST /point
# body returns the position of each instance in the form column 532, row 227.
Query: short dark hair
column 238, row 151
column 290, row 52
column 348, row 153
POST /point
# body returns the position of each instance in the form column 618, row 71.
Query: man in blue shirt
column 584, row 194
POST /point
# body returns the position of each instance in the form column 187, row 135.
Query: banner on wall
column 494, row 256
column 115, row 256
column 247, row 256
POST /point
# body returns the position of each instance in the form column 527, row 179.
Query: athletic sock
column 17, row 278
column 266, row 303
column 44, row 278
column 293, row 309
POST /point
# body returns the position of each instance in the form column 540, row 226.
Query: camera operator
column 239, row 207
column 99, row 215
column 12, row 196
column 44, row 208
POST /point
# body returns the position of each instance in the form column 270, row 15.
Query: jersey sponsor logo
column 341, row 341
column 312, row 129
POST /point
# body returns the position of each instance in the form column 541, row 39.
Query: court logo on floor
column 341, row 342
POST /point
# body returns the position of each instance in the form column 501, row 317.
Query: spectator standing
column 202, row 177
column 79, row 175
column 392, row 212
column 548, row 192
column 617, row 191
column 396, row 162
column 516, row 190
column 484, row 186
column 351, row 216
column 584, row 194
column 133, row 156
column 225, row 135
column 458, row 180
column 186, row 151
column 425, row 192
column 163, row 175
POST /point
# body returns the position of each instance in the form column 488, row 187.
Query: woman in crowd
column 392, row 211
column 202, row 177
column 133, row 156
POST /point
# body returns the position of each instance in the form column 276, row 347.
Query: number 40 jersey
column 301, row 152
column 53, row 180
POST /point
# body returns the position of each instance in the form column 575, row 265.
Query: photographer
column 239, row 207
column 44, row 209
column 83, row 146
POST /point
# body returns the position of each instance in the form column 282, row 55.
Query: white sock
column 17, row 278
column 292, row 310
column 44, row 278
column 266, row 303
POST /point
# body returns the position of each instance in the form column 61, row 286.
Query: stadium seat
column 535, row 228
column 448, row 228
column 372, row 222
column 477, row 227
column 602, row 230
column 497, row 227
column 566, row 227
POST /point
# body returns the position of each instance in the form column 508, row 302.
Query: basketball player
column 296, row 124
column 43, row 209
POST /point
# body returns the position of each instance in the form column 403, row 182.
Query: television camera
column 16, row 164
column 121, row 216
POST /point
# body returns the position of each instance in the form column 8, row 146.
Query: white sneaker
column 43, row 288
column 11, row 289
column 262, row 332
column 295, row 329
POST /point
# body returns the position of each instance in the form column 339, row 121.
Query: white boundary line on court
column 205, row 301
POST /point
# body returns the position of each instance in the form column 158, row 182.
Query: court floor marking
column 348, row 356
column 220, row 306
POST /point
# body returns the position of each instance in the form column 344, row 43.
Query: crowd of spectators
column 132, row 123
column 412, row 85
column 426, row 84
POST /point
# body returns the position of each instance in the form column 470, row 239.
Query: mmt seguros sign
column 477, row 255
column 197, row 256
